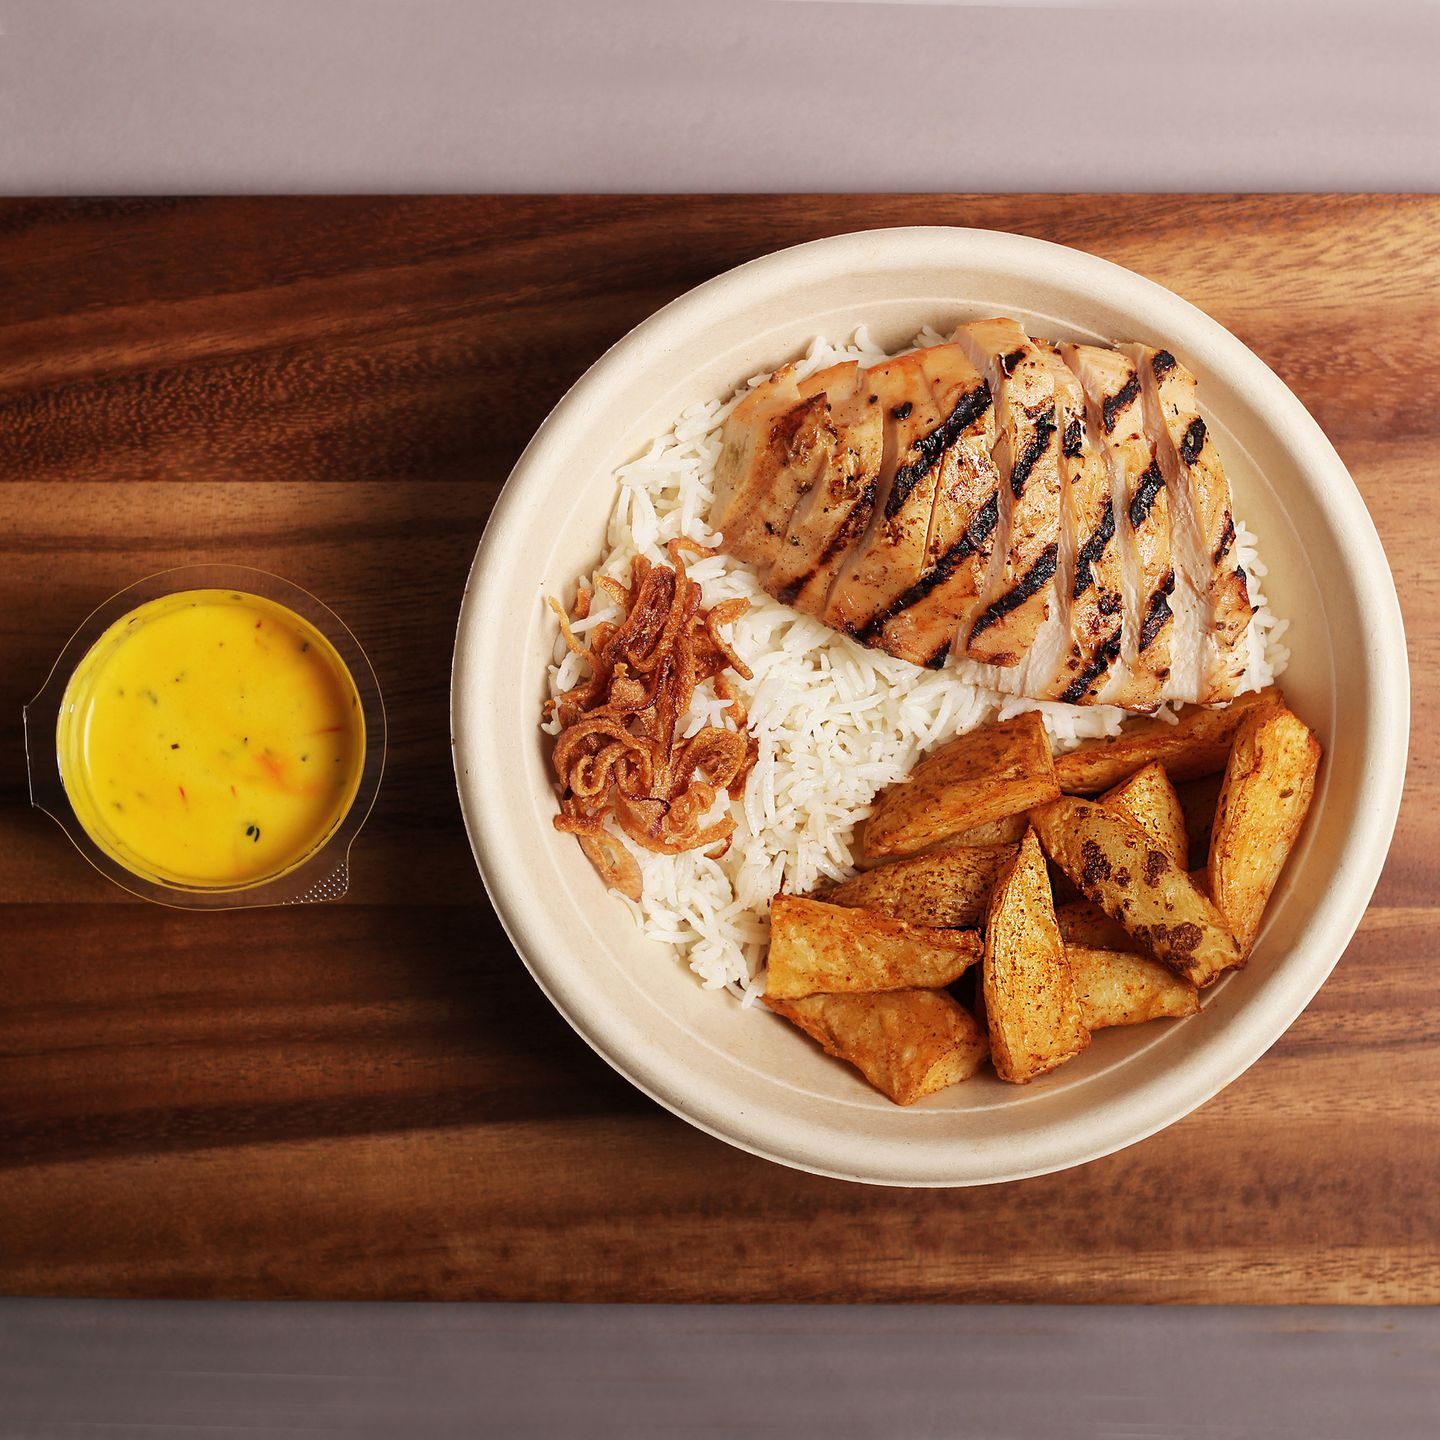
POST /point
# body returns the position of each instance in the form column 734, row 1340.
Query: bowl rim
column 525, row 917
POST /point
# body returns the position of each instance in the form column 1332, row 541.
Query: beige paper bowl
column 744, row 1075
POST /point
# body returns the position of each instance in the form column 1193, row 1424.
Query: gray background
column 216, row 95
column 111, row 96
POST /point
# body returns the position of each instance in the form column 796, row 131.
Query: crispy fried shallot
column 617, row 755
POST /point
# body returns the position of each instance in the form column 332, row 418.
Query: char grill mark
column 1035, row 579
column 1152, row 482
column 1194, row 441
column 1162, row 363
column 1157, row 612
column 971, row 407
column 906, row 479
column 1227, row 539
column 977, row 532
column 1010, row 361
column 1104, row 657
column 1044, row 428
column 1074, row 441
column 849, row 530
column 931, row 447
column 1122, row 399
column 1090, row 553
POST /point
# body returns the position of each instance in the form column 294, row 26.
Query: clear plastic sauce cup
column 212, row 737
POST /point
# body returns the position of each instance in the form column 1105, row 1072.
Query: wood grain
column 371, row 1099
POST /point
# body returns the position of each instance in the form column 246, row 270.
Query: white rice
column 835, row 722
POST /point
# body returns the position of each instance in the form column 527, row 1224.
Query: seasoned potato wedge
column 1030, row 1004
column 1198, row 744
column 1198, row 798
column 1117, row 987
column 1115, row 864
column 1084, row 923
column 907, row 1043
column 1008, row 831
column 817, row 948
column 1268, row 786
column 1149, row 799
column 1062, row 892
column 989, row 774
column 948, row 886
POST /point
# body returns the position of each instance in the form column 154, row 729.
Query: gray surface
column 330, row 95
column 143, row 95
column 841, row 1374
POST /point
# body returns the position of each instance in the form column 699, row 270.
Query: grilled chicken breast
column 835, row 511
column 1056, row 513
column 1204, row 525
column 1026, row 455
column 775, row 442
column 1142, row 515
column 887, row 560
column 921, row 625
column 1089, row 551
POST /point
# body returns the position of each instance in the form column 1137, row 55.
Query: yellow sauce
column 211, row 739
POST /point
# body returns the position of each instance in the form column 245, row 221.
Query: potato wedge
column 1084, row 923
column 1062, row 892
column 1198, row 744
column 948, row 886
column 906, row 1043
column 1149, row 799
column 1198, row 799
column 1008, row 831
column 1269, row 783
column 1117, row 987
column 1030, row 1003
column 816, row 948
column 989, row 774
column 1115, row 864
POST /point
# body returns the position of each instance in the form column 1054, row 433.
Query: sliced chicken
column 1056, row 513
column 773, row 447
column 1089, row 553
column 888, row 559
column 1203, row 521
column 1142, row 514
column 834, row 512
column 1026, row 455
column 921, row 625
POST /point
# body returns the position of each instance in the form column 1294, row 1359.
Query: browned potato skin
column 1030, row 1003
column 1269, row 784
column 987, row 775
column 907, row 1043
column 1115, row 864
column 1198, row 799
column 1199, row 744
column 1084, row 923
column 948, row 886
column 1008, row 831
column 1149, row 799
column 1117, row 987
column 816, row 948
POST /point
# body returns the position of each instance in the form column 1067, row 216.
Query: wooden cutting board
column 372, row 1099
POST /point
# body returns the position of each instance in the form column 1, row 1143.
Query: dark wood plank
column 371, row 1099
